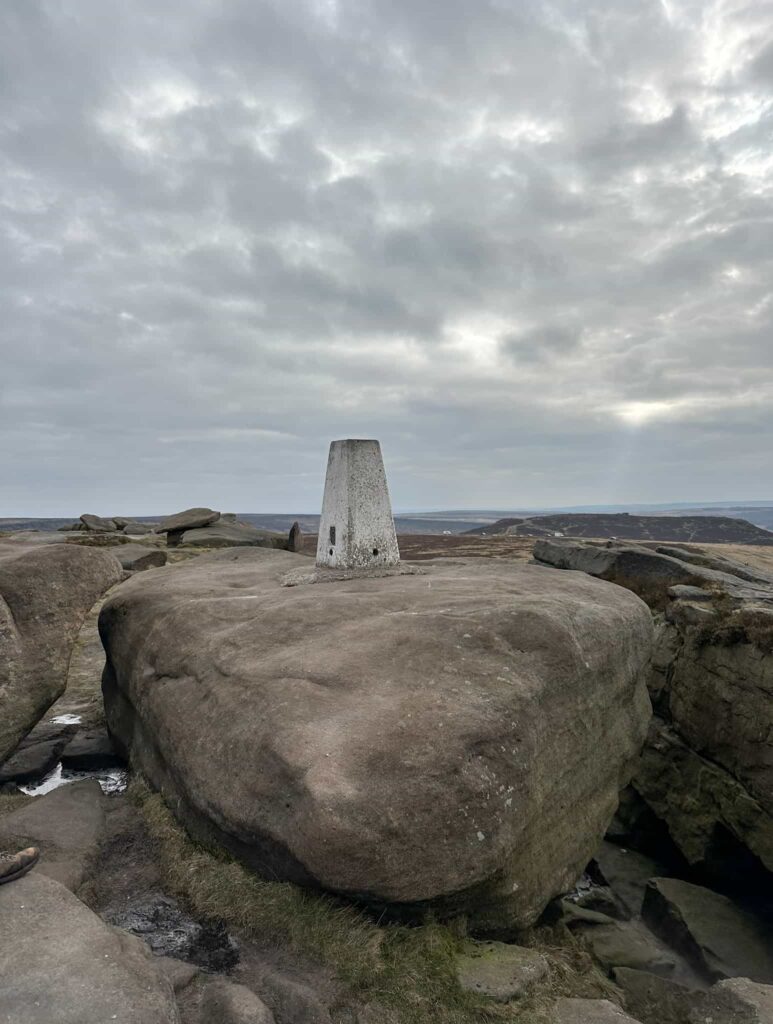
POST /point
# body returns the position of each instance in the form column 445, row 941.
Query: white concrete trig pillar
column 356, row 530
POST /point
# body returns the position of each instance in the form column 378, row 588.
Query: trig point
column 356, row 530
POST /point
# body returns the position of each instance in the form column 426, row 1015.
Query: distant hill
column 697, row 529
column 739, row 522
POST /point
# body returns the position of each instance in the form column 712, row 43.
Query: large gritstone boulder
column 455, row 737
column 45, row 594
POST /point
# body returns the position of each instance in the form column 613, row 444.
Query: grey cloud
column 231, row 232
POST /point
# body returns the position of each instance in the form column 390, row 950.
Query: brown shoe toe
column 13, row 867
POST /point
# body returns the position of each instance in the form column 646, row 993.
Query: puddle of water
column 112, row 780
column 67, row 719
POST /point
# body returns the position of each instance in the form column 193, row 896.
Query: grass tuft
column 12, row 802
column 405, row 974
column 732, row 625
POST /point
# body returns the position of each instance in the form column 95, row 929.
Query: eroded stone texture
column 718, row 937
column 456, row 738
column 60, row 962
column 45, row 594
column 707, row 768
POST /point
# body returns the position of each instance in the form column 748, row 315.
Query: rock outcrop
column 45, row 594
column 707, row 768
column 719, row 939
column 739, row 1001
column 136, row 557
column 455, row 738
column 97, row 524
column 66, row 824
column 589, row 1011
column 230, row 535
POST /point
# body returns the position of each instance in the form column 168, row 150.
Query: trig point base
column 356, row 530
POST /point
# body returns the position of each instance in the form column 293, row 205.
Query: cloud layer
column 528, row 245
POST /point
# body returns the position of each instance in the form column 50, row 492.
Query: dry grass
column 12, row 802
column 732, row 625
column 408, row 973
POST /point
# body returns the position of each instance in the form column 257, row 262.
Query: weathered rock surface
column 628, row 944
column 739, row 1001
column 589, row 1011
column 135, row 557
column 698, row 800
column 98, row 524
column 137, row 529
column 720, row 939
column 657, row 1000
column 627, row 872
column 632, row 564
column 60, row 963
column 226, row 1002
column 67, row 824
column 295, row 538
column 229, row 535
column 90, row 750
column 707, row 768
column 499, row 970
column 45, row 593
column 190, row 519
column 37, row 753
column 457, row 737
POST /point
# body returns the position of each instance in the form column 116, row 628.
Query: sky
column 527, row 245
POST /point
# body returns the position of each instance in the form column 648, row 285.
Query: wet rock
column 90, row 750
column 170, row 932
column 60, row 962
column 225, row 1002
column 739, row 1001
column 37, row 753
column 589, row 1011
column 98, row 524
column 67, row 825
column 498, row 970
column 717, row 937
column 45, row 594
column 411, row 754
column 135, row 557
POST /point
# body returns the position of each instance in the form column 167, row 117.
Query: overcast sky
column 527, row 245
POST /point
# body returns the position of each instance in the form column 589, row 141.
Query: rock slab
column 60, row 963
column 45, row 594
column 66, row 824
column 456, row 738
column 739, row 1001
column 589, row 1011
column 720, row 939
column 499, row 970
